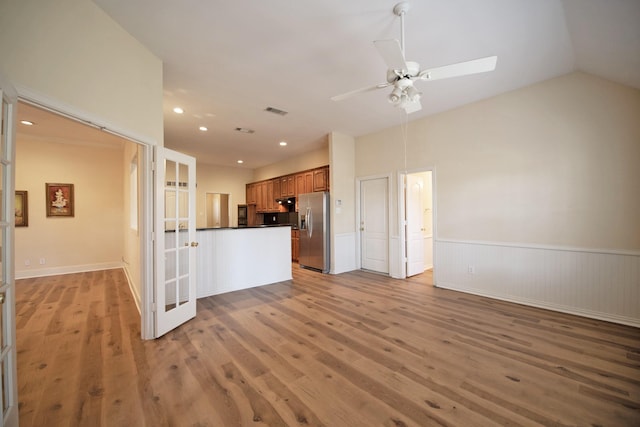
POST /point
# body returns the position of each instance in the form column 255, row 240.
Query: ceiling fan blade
column 475, row 66
column 357, row 91
column 391, row 53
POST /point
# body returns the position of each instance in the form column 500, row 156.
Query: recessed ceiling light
column 203, row 128
column 27, row 122
column 245, row 130
column 283, row 143
column 178, row 110
column 240, row 161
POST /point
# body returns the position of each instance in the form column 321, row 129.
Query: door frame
column 402, row 196
column 9, row 375
column 359, row 181
column 146, row 193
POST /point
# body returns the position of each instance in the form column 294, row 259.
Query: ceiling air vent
column 245, row 130
column 276, row 111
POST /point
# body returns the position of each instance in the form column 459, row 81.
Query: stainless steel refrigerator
column 313, row 222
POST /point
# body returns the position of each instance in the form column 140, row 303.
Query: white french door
column 374, row 224
column 415, row 225
column 8, row 368
column 175, row 240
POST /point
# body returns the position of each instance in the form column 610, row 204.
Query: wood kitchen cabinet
column 263, row 194
column 321, row 179
column 269, row 198
column 295, row 245
column 251, row 194
column 277, row 191
column 288, row 186
column 304, row 182
column 300, row 184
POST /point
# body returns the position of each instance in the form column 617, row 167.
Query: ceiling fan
column 402, row 73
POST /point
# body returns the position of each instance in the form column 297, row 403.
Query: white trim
column 132, row 288
column 45, row 102
column 543, row 247
column 389, row 177
column 624, row 320
column 586, row 283
column 55, row 271
column 402, row 215
column 147, row 258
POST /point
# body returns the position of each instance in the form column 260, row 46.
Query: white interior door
column 374, row 224
column 8, row 369
column 415, row 225
column 175, row 242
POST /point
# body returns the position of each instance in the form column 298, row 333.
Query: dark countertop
column 294, row 227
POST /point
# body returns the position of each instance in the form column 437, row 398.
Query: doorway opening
column 62, row 148
column 418, row 214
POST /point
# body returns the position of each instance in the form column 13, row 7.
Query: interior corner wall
column 537, row 189
column 92, row 238
column 342, row 211
column 71, row 54
column 220, row 179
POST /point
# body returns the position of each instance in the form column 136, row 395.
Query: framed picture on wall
column 21, row 209
column 59, row 199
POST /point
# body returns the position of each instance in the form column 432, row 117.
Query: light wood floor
column 354, row 349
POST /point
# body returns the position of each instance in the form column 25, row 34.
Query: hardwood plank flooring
column 355, row 349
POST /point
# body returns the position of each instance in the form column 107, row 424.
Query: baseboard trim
column 55, row 271
column 132, row 288
column 623, row 320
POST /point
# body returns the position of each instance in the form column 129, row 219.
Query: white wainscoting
column 344, row 248
column 428, row 252
column 233, row 259
column 600, row 284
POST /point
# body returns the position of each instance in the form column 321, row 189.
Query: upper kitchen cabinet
column 288, row 186
column 263, row 194
column 321, row 179
column 251, row 194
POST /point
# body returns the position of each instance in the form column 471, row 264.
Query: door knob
column 1, row 297
column 194, row 244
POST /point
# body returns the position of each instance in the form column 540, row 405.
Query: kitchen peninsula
column 231, row 259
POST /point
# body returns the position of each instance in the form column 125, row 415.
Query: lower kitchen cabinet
column 295, row 245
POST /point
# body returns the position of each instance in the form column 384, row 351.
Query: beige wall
column 556, row 164
column 310, row 160
column 220, row 179
column 90, row 239
column 342, row 149
column 71, row 54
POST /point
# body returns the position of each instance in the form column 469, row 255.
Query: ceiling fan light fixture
column 395, row 97
column 413, row 94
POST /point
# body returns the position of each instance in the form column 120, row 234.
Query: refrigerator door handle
column 309, row 222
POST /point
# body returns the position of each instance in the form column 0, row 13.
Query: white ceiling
column 226, row 61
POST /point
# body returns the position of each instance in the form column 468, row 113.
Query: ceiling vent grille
column 245, row 130
column 276, row 111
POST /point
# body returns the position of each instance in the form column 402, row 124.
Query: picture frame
column 21, row 209
column 60, row 200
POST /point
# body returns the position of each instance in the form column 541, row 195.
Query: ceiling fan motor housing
column 413, row 68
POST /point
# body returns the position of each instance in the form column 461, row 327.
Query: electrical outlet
column 27, row 262
column 471, row 270
column 42, row 261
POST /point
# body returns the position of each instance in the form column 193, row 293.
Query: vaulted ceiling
column 226, row 62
